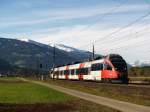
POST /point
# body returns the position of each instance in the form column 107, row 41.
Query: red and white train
column 110, row 68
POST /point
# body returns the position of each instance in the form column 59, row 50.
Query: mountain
column 33, row 42
column 31, row 54
column 78, row 55
column 141, row 64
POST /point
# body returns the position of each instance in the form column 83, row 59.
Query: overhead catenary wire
column 104, row 39
column 112, row 39
column 123, row 38
column 125, row 41
column 119, row 46
column 99, row 18
column 138, row 43
column 118, row 30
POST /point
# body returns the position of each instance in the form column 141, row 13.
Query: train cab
column 120, row 66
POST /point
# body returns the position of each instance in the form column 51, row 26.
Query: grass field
column 19, row 96
column 16, row 91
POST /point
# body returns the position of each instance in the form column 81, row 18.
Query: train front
column 120, row 67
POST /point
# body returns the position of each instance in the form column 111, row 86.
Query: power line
column 112, row 33
column 127, row 45
column 100, row 18
column 139, row 32
column 104, row 15
column 136, row 32
column 119, row 41
column 138, row 43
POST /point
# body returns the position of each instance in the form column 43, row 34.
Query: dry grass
column 138, row 95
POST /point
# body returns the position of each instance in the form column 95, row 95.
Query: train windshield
column 119, row 63
column 119, row 66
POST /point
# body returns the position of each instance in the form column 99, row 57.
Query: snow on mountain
column 27, row 54
column 23, row 39
column 66, row 48
column 73, row 52
column 58, row 46
column 33, row 42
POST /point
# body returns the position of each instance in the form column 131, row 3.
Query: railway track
column 95, row 84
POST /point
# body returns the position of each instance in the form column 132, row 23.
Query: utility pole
column 38, row 66
column 54, row 53
column 93, row 52
column 54, row 56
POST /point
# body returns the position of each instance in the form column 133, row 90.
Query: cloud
column 64, row 14
column 132, row 41
column 126, row 42
column 77, row 26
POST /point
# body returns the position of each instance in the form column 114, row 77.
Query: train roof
column 114, row 56
column 91, row 60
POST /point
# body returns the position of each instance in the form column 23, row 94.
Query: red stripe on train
column 66, row 75
column 80, row 76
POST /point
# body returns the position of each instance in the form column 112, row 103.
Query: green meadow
column 21, row 96
column 13, row 90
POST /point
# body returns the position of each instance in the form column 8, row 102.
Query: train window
column 62, row 72
column 72, row 72
column 120, row 65
column 66, row 72
column 77, row 71
column 82, row 71
column 97, row 66
column 107, row 67
column 85, row 71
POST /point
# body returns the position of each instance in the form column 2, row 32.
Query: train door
column 80, row 75
column 96, row 71
column 66, row 72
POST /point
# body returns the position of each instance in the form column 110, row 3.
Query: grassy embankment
column 16, row 91
column 139, row 74
column 139, row 71
column 137, row 95
column 17, row 96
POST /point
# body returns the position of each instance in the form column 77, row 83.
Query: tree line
column 139, row 71
column 6, row 69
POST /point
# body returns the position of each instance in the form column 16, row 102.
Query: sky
column 113, row 26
